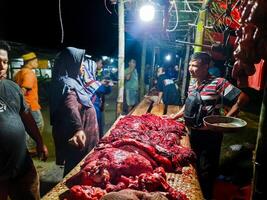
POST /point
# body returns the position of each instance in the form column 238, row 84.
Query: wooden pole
column 186, row 61
column 193, row 44
column 121, row 57
column 260, row 161
column 200, row 27
column 154, row 63
column 143, row 64
column 179, row 70
column 200, row 31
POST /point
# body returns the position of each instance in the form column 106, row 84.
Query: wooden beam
column 142, row 107
column 158, row 109
column 121, row 58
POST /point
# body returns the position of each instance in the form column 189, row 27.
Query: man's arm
column 241, row 101
column 33, row 131
column 179, row 114
column 129, row 74
column 27, row 82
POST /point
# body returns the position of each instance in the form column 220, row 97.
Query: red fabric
column 258, row 79
column 228, row 191
column 243, row 193
column 218, row 37
column 234, row 14
column 224, row 190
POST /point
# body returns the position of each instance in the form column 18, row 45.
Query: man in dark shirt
column 148, row 76
column 18, row 176
column 168, row 90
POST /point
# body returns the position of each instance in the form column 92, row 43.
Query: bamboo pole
column 193, row 44
column 260, row 162
column 200, row 27
column 185, row 75
column 156, row 51
column 121, row 57
column 179, row 70
column 143, row 64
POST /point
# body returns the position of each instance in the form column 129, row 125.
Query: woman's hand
column 42, row 152
column 78, row 140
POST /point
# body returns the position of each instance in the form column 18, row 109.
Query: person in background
column 168, row 90
column 97, row 89
column 131, row 85
column 99, row 68
column 28, row 83
column 72, row 114
column 18, row 176
column 147, row 77
column 204, row 142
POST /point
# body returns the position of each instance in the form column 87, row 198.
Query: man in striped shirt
column 214, row 93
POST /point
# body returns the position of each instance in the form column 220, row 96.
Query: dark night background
column 87, row 24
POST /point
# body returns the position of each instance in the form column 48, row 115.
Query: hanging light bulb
column 147, row 13
column 168, row 57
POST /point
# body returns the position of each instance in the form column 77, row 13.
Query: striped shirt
column 89, row 78
column 215, row 92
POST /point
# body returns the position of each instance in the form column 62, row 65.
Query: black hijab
column 66, row 78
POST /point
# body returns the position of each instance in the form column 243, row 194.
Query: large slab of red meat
column 161, row 135
column 136, row 155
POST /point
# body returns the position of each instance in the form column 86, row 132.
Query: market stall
column 185, row 182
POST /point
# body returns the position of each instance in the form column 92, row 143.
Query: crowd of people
column 76, row 105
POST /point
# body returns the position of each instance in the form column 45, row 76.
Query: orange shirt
column 26, row 78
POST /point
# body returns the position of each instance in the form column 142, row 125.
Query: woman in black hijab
column 73, row 116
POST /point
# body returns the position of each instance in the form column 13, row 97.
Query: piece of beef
column 150, row 151
column 85, row 192
column 149, row 122
column 135, row 155
column 251, row 39
column 182, row 156
column 173, row 158
column 108, row 165
column 157, row 137
column 114, row 169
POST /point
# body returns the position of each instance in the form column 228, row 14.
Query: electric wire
column 177, row 18
column 61, row 22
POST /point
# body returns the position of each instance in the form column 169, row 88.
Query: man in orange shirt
column 28, row 83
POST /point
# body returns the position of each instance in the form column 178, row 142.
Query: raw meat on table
column 135, row 155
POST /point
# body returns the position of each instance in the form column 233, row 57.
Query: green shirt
column 132, row 83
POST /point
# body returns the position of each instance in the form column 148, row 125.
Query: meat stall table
column 186, row 182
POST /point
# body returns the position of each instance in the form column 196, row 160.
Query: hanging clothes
column 258, row 80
